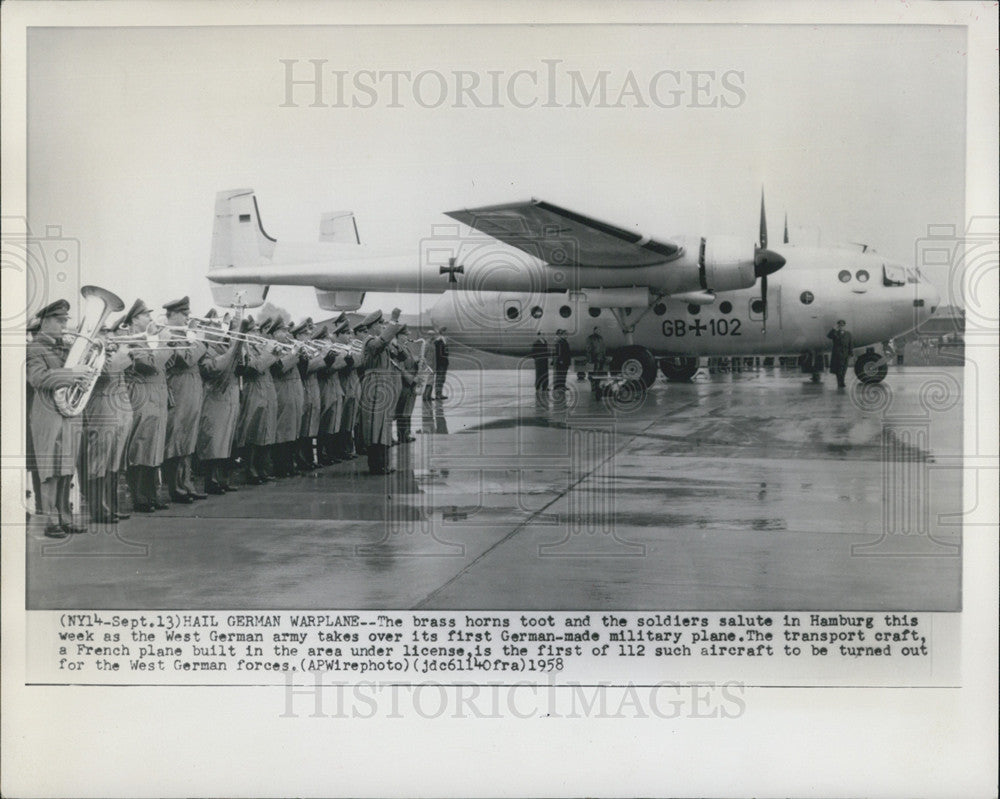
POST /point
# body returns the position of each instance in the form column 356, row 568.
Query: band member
column 220, row 409
column 290, row 400
column 34, row 325
column 440, row 363
column 184, row 399
column 562, row 362
column 107, row 423
column 147, row 390
column 840, row 351
column 258, row 410
column 56, row 438
column 540, row 355
column 309, row 367
column 350, row 381
column 331, row 392
column 408, row 390
column 379, row 391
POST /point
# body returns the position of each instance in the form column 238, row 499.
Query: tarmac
column 750, row 491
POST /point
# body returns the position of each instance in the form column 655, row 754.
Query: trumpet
column 86, row 349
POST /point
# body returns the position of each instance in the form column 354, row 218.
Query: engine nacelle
column 728, row 263
column 713, row 263
column 339, row 300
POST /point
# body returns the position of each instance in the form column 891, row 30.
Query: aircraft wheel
column 678, row 369
column 870, row 367
column 635, row 363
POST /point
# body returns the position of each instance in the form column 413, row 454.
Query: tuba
column 87, row 350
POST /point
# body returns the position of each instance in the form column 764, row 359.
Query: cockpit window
column 893, row 275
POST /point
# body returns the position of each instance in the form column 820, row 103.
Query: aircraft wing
column 565, row 238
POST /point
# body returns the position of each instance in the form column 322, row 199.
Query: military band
column 181, row 393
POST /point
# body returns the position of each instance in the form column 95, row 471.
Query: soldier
column 107, row 422
column 540, row 355
column 331, row 392
column 56, row 438
column 185, row 395
column 309, row 366
column 258, row 410
column 840, row 351
column 147, row 390
column 440, row 363
column 379, row 391
column 563, row 360
column 290, row 400
column 350, row 381
column 408, row 388
column 220, row 408
column 34, row 325
column 596, row 351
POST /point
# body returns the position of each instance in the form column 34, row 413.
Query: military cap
column 319, row 334
column 34, row 324
column 183, row 305
column 211, row 313
column 278, row 324
column 372, row 318
column 341, row 318
column 841, row 322
column 57, row 308
column 138, row 307
column 301, row 326
column 560, row 331
column 342, row 326
column 264, row 324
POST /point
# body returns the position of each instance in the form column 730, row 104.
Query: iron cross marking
column 451, row 270
column 698, row 327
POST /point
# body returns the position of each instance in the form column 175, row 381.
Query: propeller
column 765, row 261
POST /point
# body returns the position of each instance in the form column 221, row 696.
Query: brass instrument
column 86, row 349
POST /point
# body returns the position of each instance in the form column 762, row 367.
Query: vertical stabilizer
column 339, row 227
column 239, row 239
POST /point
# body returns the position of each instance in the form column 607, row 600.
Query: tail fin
column 238, row 239
column 339, row 227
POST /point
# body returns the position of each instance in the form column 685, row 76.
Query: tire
column 870, row 367
column 635, row 363
column 678, row 369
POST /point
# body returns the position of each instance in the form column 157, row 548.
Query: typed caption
column 241, row 647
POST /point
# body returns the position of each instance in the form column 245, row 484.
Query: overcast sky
column 857, row 132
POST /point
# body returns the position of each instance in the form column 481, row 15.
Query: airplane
column 532, row 266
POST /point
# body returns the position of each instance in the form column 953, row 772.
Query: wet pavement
column 755, row 490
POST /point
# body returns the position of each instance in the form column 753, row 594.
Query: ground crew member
column 840, row 351
column 563, row 360
column 540, row 355
column 596, row 351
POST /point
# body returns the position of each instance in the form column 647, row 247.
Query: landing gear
column 678, row 369
column 870, row 367
column 635, row 363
